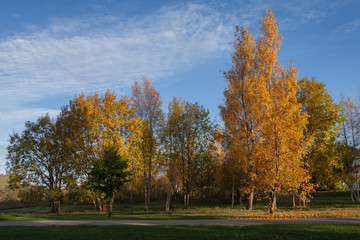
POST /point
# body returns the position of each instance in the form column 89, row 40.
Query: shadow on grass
column 184, row 232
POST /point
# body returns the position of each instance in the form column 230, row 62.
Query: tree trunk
column 357, row 187
column 304, row 201
column 145, row 190
column 168, row 199
column 98, row 204
column 233, row 193
column 149, row 185
column 352, row 191
column 294, row 201
column 186, row 199
column 250, row 201
column 273, row 200
column 131, row 195
column 186, row 196
column 110, row 205
column 55, row 208
column 202, row 193
column 95, row 205
column 240, row 201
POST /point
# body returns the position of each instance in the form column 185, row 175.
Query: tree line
column 280, row 134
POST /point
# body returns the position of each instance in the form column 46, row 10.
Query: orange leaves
column 112, row 122
column 263, row 119
column 283, row 123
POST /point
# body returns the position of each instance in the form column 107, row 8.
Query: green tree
column 41, row 156
column 108, row 174
column 188, row 132
column 324, row 122
column 204, row 173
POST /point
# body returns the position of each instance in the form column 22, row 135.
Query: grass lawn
column 324, row 204
column 184, row 232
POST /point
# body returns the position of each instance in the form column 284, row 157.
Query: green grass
column 184, row 232
column 324, row 204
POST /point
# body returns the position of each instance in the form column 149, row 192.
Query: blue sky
column 52, row 50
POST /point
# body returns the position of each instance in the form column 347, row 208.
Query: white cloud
column 346, row 30
column 94, row 54
column 302, row 12
column 352, row 26
column 25, row 114
column 76, row 55
column 13, row 120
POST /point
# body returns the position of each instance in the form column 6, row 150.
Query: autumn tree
column 103, row 122
column 283, row 124
column 187, row 133
column 239, row 111
column 350, row 145
column 147, row 104
column 233, row 177
column 100, row 123
column 79, row 125
column 324, row 122
column 41, row 155
column 262, row 116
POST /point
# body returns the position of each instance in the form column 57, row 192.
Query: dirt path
column 229, row 222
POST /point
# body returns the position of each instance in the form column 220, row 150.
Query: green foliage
column 187, row 133
column 6, row 194
column 80, row 195
column 324, row 121
column 108, row 174
column 55, row 195
column 31, row 195
column 204, row 173
column 41, row 156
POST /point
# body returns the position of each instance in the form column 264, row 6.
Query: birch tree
column 187, row 133
column 239, row 111
column 351, row 142
column 283, row 122
column 147, row 103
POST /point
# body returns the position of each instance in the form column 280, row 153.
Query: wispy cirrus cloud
column 26, row 114
column 345, row 30
column 82, row 55
column 109, row 52
column 302, row 12
column 350, row 27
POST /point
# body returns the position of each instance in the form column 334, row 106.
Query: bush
column 32, row 195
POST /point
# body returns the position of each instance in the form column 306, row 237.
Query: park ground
column 324, row 205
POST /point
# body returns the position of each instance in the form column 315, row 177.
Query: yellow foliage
column 112, row 123
column 264, row 122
